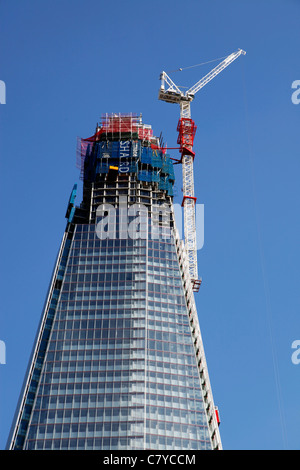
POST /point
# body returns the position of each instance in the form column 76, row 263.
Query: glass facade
column 115, row 364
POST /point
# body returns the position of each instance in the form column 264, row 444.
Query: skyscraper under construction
column 118, row 360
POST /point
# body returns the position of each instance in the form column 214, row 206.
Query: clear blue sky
column 64, row 64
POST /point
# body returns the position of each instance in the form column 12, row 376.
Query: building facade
column 118, row 361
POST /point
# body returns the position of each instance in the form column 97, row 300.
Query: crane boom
column 186, row 128
column 214, row 72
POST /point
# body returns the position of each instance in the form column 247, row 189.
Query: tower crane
column 186, row 129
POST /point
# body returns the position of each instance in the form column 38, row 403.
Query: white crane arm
column 194, row 89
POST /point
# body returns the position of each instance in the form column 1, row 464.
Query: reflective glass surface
column 120, row 370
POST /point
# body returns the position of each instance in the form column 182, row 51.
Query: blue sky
column 67, row 62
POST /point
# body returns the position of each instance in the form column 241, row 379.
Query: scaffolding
column 123, row 141
column 121, row 126
column 115, row 127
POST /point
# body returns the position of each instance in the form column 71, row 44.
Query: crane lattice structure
column 187, row 129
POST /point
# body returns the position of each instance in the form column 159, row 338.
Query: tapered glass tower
column 118, row 361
